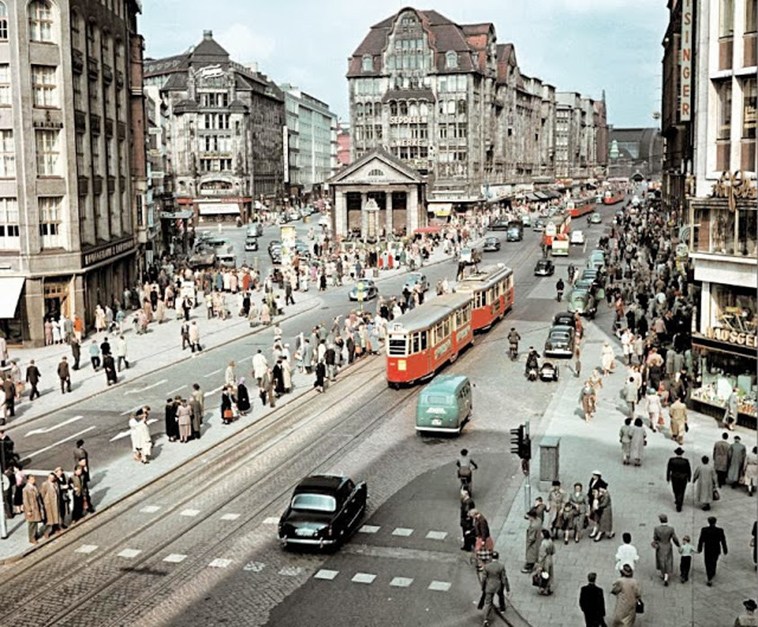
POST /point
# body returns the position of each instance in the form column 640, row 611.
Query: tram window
column 416, row 343
column 423, row 340
column 490, row 295
column 397, row 346
column 446, row 327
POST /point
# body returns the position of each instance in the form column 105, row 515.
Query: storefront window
column 721, row 372
column 701, row 228
column 722, row 232
column 747, row 231
column 735, row 308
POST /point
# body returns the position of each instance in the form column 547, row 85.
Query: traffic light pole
column 525, row 467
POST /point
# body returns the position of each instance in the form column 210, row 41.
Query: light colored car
column 415, row 278
column 577, row 238
column 596, row 218
column 367, row 287
column 526, row 219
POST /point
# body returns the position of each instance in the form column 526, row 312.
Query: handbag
column 716, row 495
column 640, row 607
column 228, row 414
column 536, row 580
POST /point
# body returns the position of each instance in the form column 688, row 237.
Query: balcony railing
column 93, row 70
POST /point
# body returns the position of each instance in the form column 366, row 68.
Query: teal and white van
column 444, row 405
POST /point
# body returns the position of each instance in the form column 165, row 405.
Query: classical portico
column 377, row 195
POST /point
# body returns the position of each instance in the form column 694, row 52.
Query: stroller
column 548, row 372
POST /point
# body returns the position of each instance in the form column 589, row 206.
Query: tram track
column 62, row 565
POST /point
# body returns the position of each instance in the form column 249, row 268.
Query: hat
column 750, row 605
column 597, row 472
column 626, row 570
column 736, row 437
column 601, row 484
column 679, row 451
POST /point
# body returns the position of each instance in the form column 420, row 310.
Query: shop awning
column 218, row 208
column 441, row 209
column 10, row 292
column 182, row 214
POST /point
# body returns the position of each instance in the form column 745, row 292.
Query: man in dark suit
column 495, row 580
column 592, row 602
column 679, row 473
column 711, row 543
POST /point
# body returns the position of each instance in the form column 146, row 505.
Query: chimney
column 207, row 34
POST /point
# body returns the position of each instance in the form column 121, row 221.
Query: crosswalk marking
column 254, row 567
column 86, row 548
column 368, row 529
column 189, row 512
column 290, row 571
column 402, row 531
column 363, row 578
column 150, row 509
column 326, row 574
column 436, row 535
column 439, row 586
column 130, row 553
column 401, row 582
column 271, row 520
column 230, row 517
column 220, row 563
column 174, row 558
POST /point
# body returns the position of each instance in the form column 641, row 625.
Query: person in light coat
column 260, row 366
column 705, row 483
column 678, row 420
column 143, row 438
column 625, row 438
column 34, row 509
column 134, row 436
column 545, row 562
column 721, row 458
column 230, row 376
column 627, row 591
column 50, row 492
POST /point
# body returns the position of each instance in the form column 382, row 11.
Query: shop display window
column 725, row 232
column 720, row 373
column 735, row 308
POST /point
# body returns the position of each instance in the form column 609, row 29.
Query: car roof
column 445, row 383
column 544, row 262
column 320, row 483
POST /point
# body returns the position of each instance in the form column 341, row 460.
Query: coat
column 142, row 435
column 63, row 370
column 637, row 446
column 627, row 590
column 495, row 578
column 34, row 509
column 259, row 365
column 545, row 558
column 592, row 603
column 605, row 512
column 555, row 500
column 712, row 542
column 51, row 499
column 737, row 454
column 663, row 536
column 533, row 534
column 625, row 437
column 705, row 484
column 721, row 455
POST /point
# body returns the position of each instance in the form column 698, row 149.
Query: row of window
column 47, row 150
column 215, row 165
column 726, row 17
column 215, row 143
column 49, row 223
column 44, row 85
column 749, row 102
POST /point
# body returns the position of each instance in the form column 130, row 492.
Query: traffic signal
column 521, row 443
column 526, row 449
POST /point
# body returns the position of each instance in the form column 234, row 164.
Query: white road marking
column 254, row 567
column 175, row 558
column 212, row 374
column 132, row 410
column 54, row 427
column 290, row 571
column 124, row 434
column 440, row 586
column 150, row 509
column 86, row 548
column 368, row 529
column 230, row 517
column 220, row 563
column 248, row 358
column 63, row 441
column 218, row 389
column 402, row 531
column 436, row 535
column 363, row 578
column 179, row 389
column 189, row 512
column 271, row 520
column 326, row 574
column 401, row 582
column 130, row 553
column 148, row 387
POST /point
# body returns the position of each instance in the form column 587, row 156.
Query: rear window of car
column 314, row 502
column 438, row 399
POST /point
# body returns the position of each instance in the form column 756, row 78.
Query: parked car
column 367, row 286
column 491, row 245
column 564, row 318
column 323, row 512
column 579, row 302
column 577, row 238
column 544, row 267
column 596, row 218
column 539, row 225
column 254, row 229
column 294, row 215
column 584, row 284
column 416, row 278
column 596, row 259
column 499, row 224
column 560, row 341
column 515, row 232
column 589, row 273
column 251, row 243
column 526, row 219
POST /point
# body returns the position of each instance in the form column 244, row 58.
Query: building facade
column 72, row 162
column 343, row 144
column 715, row 105
column 635, row 152
column 449, row 101
column 311, row 141
column 227, row 128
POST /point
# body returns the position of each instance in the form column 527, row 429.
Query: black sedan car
column 323, row 512
column 560, row 341
column 564, row 318
column 544, row 267
column 491, row 245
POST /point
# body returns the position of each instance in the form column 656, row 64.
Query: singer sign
column 685, row 64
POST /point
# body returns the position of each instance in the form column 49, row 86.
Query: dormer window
column 367, row 64
column 451, row 60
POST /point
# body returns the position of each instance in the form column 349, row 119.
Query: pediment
column 377, row 168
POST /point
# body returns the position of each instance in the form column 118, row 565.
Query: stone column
column 364, row 215
column 388, row 209
column 340, row 213
column 411, row 217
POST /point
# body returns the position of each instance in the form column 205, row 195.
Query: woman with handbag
column 544, row 566
column 628, row 595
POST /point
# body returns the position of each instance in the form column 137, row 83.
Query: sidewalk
column 638, row 494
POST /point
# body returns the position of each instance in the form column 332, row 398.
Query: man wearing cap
column 711, row 543
column 495, row 579
column 748, row 618
column 679, row 473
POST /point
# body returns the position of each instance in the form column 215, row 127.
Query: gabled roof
column 376, row 155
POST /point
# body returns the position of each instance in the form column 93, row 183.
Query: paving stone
column 87, row 548
column 436, row 535
column 368, row 529
column 174, row 558
column 402, row 532
column 150, row 509
column 363, row 578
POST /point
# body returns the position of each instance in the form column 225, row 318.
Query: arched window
column 359, row 110
column 462, row 106
column 413, row 109
column 451, row 60
column 92, row 47
column 403, row 109
column 393, row 108
column 41, row 21
column 369, row 110
column 3, row 22
column 423, row 108
column 367, row 63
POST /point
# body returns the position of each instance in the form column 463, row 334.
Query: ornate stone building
column 72, row 160
column 226, row 131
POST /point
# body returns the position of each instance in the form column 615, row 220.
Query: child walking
column 685, row 550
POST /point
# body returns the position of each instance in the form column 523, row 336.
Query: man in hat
column 679, row 473
column 494, row 581
column 711, row 543
column 736, row 458
column 748, row 618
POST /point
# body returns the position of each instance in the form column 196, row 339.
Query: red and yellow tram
column 581, row 208
column 492, row 294
column 612, row 197
column 426, row 338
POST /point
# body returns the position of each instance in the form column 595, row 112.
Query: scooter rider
column 532, row 361
column 466, row 467
column 513, row 340
column 571, row 273
column 559, row 287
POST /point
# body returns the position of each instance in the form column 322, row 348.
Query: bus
column 492, row 293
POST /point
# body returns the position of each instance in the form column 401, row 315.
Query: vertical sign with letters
column 685, row 64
